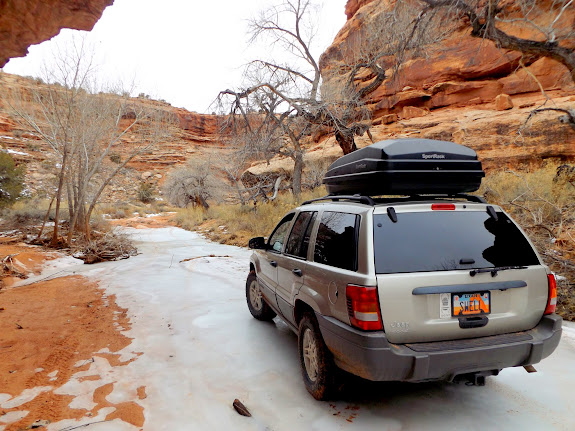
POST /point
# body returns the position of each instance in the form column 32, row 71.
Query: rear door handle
column 273, row 263
column 297, row 272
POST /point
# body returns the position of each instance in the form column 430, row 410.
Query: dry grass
column 236, row 224
column 26, row 216
column 544, row 205
column 27, row 212
column 121, row 210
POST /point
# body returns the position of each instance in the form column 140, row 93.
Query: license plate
column 470, row 304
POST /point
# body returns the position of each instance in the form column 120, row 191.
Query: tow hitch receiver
column 475, row 379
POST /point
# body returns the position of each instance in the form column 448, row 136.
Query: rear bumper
column 371, row 356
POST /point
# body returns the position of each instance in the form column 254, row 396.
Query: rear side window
column 448, row 240
column 336, row 242
column 298, row 240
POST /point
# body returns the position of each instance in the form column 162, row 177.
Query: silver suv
column 404, row 289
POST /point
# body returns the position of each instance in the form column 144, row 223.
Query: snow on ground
column 60, row 267
column 201, row 349
column 9, row 151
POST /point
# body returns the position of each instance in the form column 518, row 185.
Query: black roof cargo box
column 406, row 167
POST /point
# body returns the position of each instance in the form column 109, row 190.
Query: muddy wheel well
column 300, row 309
column 252, row 267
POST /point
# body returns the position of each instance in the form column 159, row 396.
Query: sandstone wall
column 462, row 74
column 28, row 22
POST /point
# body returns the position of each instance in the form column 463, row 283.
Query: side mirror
column 257, row 243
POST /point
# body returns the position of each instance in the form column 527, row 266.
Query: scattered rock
column 39, row 424
column 413, row 112
column 503, row 102
column 146, row 175
column 241, row 409
column 458, row 136
column 387, row 119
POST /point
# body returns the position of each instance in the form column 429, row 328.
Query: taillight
column 363, row 307
column 443, row 207
column 552, row 299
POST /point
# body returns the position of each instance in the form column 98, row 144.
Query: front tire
column 317, row 367
column 256, row 303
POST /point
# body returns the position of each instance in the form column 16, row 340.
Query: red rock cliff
column 461, row 74
column 27, row 22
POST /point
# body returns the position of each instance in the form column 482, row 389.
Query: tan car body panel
column 412, row 318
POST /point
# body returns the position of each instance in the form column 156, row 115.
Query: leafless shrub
column 314, row 173
column 193, row 184
column 111, row 245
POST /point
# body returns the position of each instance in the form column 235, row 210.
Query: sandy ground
column 51, row 332
column 152, row 221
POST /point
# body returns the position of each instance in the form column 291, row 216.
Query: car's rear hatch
column 459, row 270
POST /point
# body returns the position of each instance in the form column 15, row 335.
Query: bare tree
column 291, row 98
column 82, row 126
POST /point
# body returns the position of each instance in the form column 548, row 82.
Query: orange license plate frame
column 470, row 304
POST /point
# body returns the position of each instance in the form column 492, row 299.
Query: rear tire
column 317, row 366
column 256, row 303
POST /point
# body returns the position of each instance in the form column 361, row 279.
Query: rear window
column 445, row 240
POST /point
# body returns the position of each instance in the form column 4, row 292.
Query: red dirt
column 51, row 325
column 145, row 222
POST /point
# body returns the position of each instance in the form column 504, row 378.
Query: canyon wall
column 458, row 76
column 188, row 134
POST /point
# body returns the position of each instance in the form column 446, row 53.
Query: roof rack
column 459, row 196
column 357, row 198
column 368, row 200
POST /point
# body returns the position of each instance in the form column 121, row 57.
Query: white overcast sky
column 179, row 50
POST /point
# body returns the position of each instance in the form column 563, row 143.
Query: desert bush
column 99, row 223
column 314, row 172
column 146, row 192
column 11, row 180
column 115, row 211
column 26, row 213
column 193, row 184
column 33, row 146
column 543, row 203
column 115, row 158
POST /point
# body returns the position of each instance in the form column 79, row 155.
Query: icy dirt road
column 201, row 349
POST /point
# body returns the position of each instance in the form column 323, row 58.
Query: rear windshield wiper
column 495, row 270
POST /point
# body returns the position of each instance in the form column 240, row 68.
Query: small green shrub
column 115, row 158
column 11, row 180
